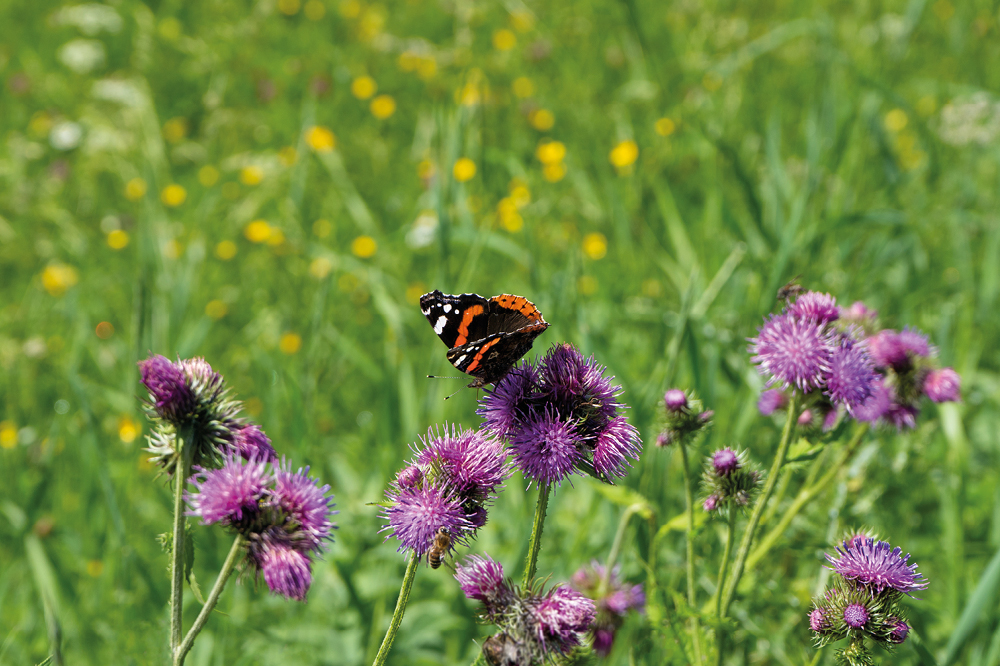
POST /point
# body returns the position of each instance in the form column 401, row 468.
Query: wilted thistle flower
column 684, row 416
column 613, row 600
column 188, row 398
column 535, row 625
column 561, row 416
column 728, row 480
column 284, row 516
column 448, row 485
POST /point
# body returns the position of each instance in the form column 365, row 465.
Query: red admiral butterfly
column 485, row 336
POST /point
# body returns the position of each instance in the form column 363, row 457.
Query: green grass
column 811, row 138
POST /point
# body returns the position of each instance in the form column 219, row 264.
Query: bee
column 502, row 650
column 439, row 548
column 790, row 290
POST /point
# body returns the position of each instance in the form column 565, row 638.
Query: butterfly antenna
column 455, row 393
column 440, row 377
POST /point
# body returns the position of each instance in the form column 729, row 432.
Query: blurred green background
column 271, row 185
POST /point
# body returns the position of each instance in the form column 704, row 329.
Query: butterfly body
column 485, row 336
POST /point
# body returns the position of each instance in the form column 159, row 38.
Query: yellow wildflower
column 225, row 250
column 208, row 175
column 320, row 267
column 550, row 152
column 665, row 126
column 504, row 40
column 175, row 129
column 128, row 429
column 57, row 278
column 364, row 247
column 624, row 154
column 320, row 139
column 315, row 10
column 135, row 189
column 383, row 106
column 216, row 309
column 523, row 87
column 173, row 195
column 290, row 343
column 896, row 120
column 289, row 7
column 251, row 175
column 595, row 245
column 464, row 169
column 117, row 239
column 363, row 87
column 554, row 172
column 542, row 119
column 258, row 231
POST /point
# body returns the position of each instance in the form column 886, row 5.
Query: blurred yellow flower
column 8, row 434
column 216, row 309
column 117, row 239
column 290, row 343
column 510, row 218
column 57, row 278
column 95, row 568
column 225, row 250
column 624, row 154
column 522, row 19
column 542, row 119
column 208, row 175
column 665, row 126
column 258, row 231
column 315, row 10
column 175, row 129
column 172, row 249
column 364, row 247
column 896, row 120
column 595, row 245
column 383, row 106
column 523, row 87
column 320, row 267
column 135, row 189
column 520, row 195
column 550, row 152
column 251, row 175
column 289, row 7
column 587, row 285
column 322, row 228
column 350, row 8
column 128, row 429
column 425, row 169
column 287, row 156
column 173, row 195
column 414, row 292
column 277, row 237
column 371, row 23
column 169, row 28
column 363, row 87
column 464, row 169
column 504, row 40
column 320, row 139
column 427, row 69
column 554, row 172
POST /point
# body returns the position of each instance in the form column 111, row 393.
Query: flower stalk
column 182, row 470
column 535, row 542
column 397, row 615
column 689, row 536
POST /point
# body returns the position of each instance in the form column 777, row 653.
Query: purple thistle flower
column 562, row 615
column 545, row 449
column 817, row 620
column 469, row 463
column 711, row 503
column 506, row 403
column 851, row 376
column 914, row 342
column 168, row 388
column 409, row 477
column 287, row 571
column 770, row 401
column 418, row 513
column 814, row 306
column 855, row 616
column 805, row 418
column 250, row 442
column 858, row 312
column 943, row 385
column 890, row 349
column 675, row 400
column 604, row 639
column 231, row 493
column 830, row 420
column 199, row 372
column 793, row 352
column 877, row 404
column 725, row 461
column 305, row 502
column 665, row 438
column 900, row 631
column 481, row 578
column 901, row 416
column 618, row 442
column 877, row 565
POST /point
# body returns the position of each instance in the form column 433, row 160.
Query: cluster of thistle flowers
column 865, row 600
column 729, row 481
column 284, row 516
column 560, row 416
column 841, row 363
column 685, row 415
column 613, row 599
column 447, row 485
column 535, row 625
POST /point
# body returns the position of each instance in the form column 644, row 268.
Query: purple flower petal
column 305, row 501
column 814, row 306
column 943, row 385
column 616, row 443
column 792, row 352
column 877, row 565
column 546, row 449
column 287, row 571
column 230, row 493
column 419, row 513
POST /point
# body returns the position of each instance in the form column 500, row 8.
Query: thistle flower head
column 286, row 571
column 852, row 377
column 169, row 392
column 817, row 620
column 855, row 616
column 562, row 616
column 615, row 444
column 675, row 400
column 546, row 448
column 943, row 385
column 230, row 494
column 613, row 600
column 814, row 306
column 416, row 514
column 467, row 462
column 729, row 480
column 305, row 503
column 409, row 477
column 771, row 401
column 858, row 313
column 878, row 566
column 725, row 461
column 792, row 352
column 482, row 579
column 900, row 630
column 508, row 402
column 250, row 442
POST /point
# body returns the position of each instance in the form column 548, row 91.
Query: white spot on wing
column 447, row 307
column 458, row 361
column 439, row 326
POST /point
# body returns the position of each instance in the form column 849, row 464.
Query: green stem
column 235, row 553
column 805, row 496
column 758, row 509
column 397, row 615
column 535, row 543
column 182, row 470
column 723, row 569
column 689, row 509
column 616, row 545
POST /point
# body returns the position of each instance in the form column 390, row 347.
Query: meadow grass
column 169, row 183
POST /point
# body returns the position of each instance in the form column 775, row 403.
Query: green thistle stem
column 185, row 453
column 397, row 615
column 535, row 543
column 758, row 510
column 616, row 545
column 723, row 569
column 689, row 509
column 235, row 553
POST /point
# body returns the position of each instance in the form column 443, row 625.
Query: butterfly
column 485, row 336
